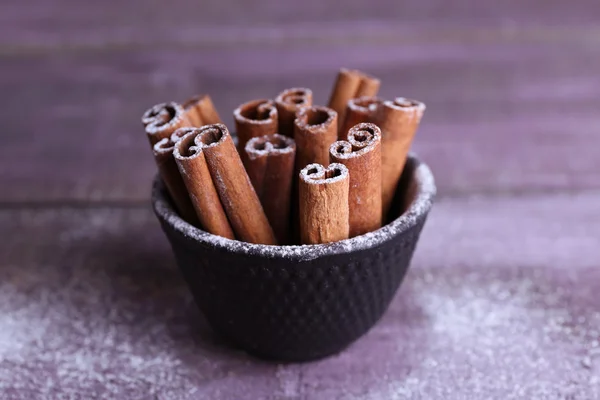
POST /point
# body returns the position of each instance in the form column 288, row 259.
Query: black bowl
column 299, row 303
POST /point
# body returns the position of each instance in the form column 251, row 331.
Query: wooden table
column 502, row 298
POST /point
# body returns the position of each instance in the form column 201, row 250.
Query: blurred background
column 512, row 87
column 501, row 300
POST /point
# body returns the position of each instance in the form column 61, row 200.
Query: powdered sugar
column 425, row 192
column 263, row 146
column 260, row 112
column 306, row 117
column 364, row 104
column 185, row 147
column 163, row 146
column 369, row 134
column 316, row 174
column 295, row 97
column 167, row 116
column 211, row 135
column 414, row 107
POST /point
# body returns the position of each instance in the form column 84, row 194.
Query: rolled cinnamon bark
column 162, row 120
column 398, row 121
column 324, row 203
column 361, row 109
column 344, row 89
column 255, row 118
column 288, row 103
column 192, row 164
column 156, row 112
column 169, row 173
column 270, row 164
column 233, row 185
column 315, row 129
column 369, row 85
column 361, row 154
column 348, row 85
column 200, row 110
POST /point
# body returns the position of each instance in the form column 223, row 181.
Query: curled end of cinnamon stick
column 288, row 103
column 316, row 174
column 179, row 133
column 315, row 118
column 162, row 119
column 156, row 112
column 211, row 135
column 163, row 148
column 185, row 146
column 361, row 138
column 293, row 98
column 256, row 112
column 365, row 104
column 255, row 118
column 269, row 144
column 407, row 105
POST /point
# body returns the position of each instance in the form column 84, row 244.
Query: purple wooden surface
column 66, row 23
column 501, row 301
column 93, row 307
column 501, row 118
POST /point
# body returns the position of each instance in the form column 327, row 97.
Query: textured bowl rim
column 418, row 209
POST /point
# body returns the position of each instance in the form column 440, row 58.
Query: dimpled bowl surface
column 298, row 303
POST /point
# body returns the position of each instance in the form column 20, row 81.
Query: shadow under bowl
column 299, row 303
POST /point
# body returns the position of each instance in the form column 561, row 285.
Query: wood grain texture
column 500, row 117
column 100, row 307
column 67, row 24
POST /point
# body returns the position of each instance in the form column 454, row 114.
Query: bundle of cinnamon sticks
column 299, row 173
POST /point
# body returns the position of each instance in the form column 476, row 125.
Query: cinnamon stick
column 255, row 118
column 157, row 111
column 233, row 185
column 169, row 173
column 369, row 85
column 288, row 103
column 361, row 154
column 200, row 110
column 162, row 120
column 315, row 129
column 351, row 84
column 324, row 203
column 270, row 164
column 361, row 109
column 192, row 164
column 399, row 120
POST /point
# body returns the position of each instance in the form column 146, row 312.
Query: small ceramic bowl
column 298, row 303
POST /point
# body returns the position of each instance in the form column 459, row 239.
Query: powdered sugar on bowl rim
column 417, row 210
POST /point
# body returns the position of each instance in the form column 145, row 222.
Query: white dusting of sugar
column 316, row 174
column 256, row 106
column 163, row 146
column 302, row 118
column 354, row 148
column 185, row 148
column 409, row 106
column 294, row 96
column 156, row 111
column 271, row 144
column 206, row 134
column 174, row 111
column 93, row 314
column 364, row 104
